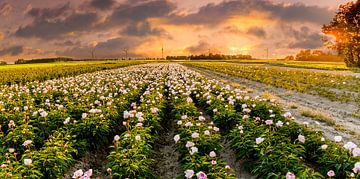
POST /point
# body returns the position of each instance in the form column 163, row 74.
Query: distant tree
column 345, row 27
column 2, row 63
column 289, row 58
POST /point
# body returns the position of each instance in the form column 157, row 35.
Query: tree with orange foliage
column 345, row 27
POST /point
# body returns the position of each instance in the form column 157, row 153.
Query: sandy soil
column 167, row 166
column 342, row 113
column 95, row 160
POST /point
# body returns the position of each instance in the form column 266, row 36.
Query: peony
column 356, row 152
column 176, row 138
column 67, row 120
column 216, row 129
column 183, row 117
column 189, row 144
column 11, row 150
column 189, row 173
column 87, row 174
column 201, row 175
column 206, row 132
column 193, row 150
column 259, row 140
column 213, row 162
column 350, row 145
column 201, row 118
column 78, row 174
column 188, row 124
column 195, row 135
column 179, row 122
column 189, row 100
column 290, row 175
column 117, row 138
column 27, row 142
column 324, row 146
column 137, row 138
column 84, row 115
column 288, row 115
column 301, row 138
column 331, row 173
column 356, row 168
column 154, row 110
column 212, row 154
column 337, row 138
column 269, row 122
column 279, row 124
column 11, row 124
column 27, row 162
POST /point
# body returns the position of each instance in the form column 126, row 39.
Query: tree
column 345, row 27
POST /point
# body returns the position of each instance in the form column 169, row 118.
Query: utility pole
column 162, row 52
column 93, row 52
column 209, row 52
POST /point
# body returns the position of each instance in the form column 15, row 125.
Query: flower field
column 49, row 125
column 332, row 86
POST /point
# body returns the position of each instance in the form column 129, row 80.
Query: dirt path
column 342, row 113
column 228, row 155
column 167, row 166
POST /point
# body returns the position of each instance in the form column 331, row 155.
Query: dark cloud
column 201, row 47
column 142, row 29
column 140, row 11
column 5, row 9
column 12, row 51
column 48, row 14
column 257, row 31
column 51, row 29
column 213, row 14
column 102, row 4
column 68, row 43
column 112, row 48
column 302, row 37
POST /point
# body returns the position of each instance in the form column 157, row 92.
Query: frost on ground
column 342, row 113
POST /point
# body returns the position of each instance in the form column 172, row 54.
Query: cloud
column 201, row 47
column 215, row 14
column 257, row 31
column 5, row 9
column 142, row 29
column 52, row 29
column 12, row 51
column 57, row 22
column 68, row 43
column 102, row 4
column 302, row 37
column 112, row 48
column 136, row 12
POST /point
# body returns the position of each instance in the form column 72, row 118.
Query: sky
column 69, row 28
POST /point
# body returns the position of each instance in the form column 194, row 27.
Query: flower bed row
column 79, row 133
column 132, row 150
column 197, row 139
column 273, row 144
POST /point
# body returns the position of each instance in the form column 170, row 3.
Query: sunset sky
column 47, row 28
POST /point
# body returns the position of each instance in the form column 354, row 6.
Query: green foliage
column 345, row 27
